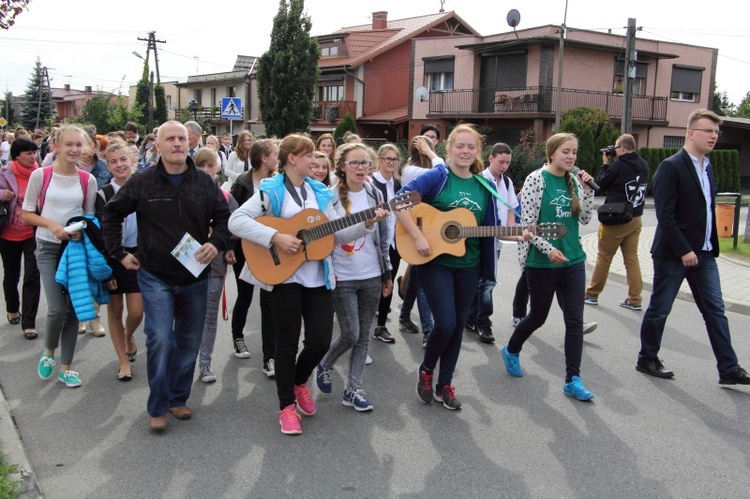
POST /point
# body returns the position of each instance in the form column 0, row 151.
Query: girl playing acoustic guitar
column 306, row 295
column 450, row 281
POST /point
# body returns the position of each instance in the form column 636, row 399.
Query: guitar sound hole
column 451, row 232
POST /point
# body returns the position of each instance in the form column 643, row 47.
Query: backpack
column 47, row 170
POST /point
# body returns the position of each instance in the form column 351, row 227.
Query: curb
column 15, row 452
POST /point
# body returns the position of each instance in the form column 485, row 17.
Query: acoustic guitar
column 447, row 230
column 312, row 227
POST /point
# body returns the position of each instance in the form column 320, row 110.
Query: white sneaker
column 96, row 328
column 369, row 360
column 206, row 375
column 269, row 368
column 589, row 327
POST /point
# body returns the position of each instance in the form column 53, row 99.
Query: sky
column 90, row 42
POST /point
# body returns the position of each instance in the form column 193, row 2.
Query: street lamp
column 193, row 106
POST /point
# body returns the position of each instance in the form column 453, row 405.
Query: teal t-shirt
column 463, row 193
column 556, row 203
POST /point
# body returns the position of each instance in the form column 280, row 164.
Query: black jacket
column 164, row 216
column 681, row 209
column 626, row 180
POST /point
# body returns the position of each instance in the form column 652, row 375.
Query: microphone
column 576, row 171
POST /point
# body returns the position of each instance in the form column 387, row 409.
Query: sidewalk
column 735, row 275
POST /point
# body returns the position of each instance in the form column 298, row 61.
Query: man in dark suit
column 685, row 247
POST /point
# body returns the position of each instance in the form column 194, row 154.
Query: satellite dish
column 422, row 94
column 513, row 18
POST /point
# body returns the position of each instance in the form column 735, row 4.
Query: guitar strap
column 484, row 182
column 293, row 192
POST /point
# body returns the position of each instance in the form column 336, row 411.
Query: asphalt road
column 514, row 437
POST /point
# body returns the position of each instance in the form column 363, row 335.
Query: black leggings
column 569, row 283
column 385, row 301
column 291, row 304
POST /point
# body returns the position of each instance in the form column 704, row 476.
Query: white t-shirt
column 309, row 274
column 64, row 200
column 410, row 172
column 390, row 189
column 359, row 259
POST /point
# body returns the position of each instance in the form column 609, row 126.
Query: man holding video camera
column 625, row 180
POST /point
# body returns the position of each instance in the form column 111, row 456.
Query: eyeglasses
column 358, row 164
column 709, row 131
column 390, row 160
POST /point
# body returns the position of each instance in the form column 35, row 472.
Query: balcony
column 332, row 111
column 538, row 101
column 210, row 114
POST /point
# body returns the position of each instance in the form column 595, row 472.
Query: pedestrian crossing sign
column 231, row 108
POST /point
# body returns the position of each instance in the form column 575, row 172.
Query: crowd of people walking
column 149, row 227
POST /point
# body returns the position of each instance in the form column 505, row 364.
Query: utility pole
column 151, row 102
column 629, row 73
column 152, row 41
column 558, row 103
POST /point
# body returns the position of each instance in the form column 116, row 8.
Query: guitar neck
column 491, row 231
column 342, row 223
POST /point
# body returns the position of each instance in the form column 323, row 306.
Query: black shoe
column 398, row 287
column 407, row 325
column 425, row 337
column 471, row 326
column 485, row 334
column 655, row 367
column 736, row 376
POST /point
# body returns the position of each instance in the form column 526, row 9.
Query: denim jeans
column 415, row 292
column 61, row 326
column 481, row 307
column 174, row 326
column 384, row 305
column 355, row 303
column 12, row 252
column 449, row 292
column 569, row 283
column 705, row 285
column 213, row 298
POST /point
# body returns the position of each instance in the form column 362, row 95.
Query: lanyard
column 293, row 191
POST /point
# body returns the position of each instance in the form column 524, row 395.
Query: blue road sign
column 231, row 108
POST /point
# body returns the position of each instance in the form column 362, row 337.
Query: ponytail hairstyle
column 296, row 145
column 478, row 164
column 553, row 144
column 341, row 153
column 261, row 148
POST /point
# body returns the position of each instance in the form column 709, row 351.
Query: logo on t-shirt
column 562, row 204
column 465, row 202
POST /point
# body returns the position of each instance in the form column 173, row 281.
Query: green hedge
column 725, row 164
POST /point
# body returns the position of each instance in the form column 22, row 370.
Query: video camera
column 609, row 151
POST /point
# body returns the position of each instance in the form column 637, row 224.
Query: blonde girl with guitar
column 553, row 194
column 450, row 281
column 363, row 275
column 306, row 295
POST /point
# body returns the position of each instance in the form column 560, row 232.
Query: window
column 198, row 96
column 686, row 83
column 231, row 92
column 438, row 73
column 329, row 51
column 331, row 92
column 639, row 82
column 674, row 141
column 439, row 81
column 213, row 97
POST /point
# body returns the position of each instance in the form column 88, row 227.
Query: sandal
column 30, row 334
column 131, row 356
column 124, row 376
column 14, row 320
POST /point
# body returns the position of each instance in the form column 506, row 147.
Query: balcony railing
column 541, row 100
column 332, row 111
column 202, row 113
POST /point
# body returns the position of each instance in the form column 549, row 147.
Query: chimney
column 87, row 89
column 66, row 87
column 380, row 20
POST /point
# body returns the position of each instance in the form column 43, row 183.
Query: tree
column 601, row 133
column 160, row 105
column 721, row 104
column 347, row 124
column 36, row 107
column 96, row 111
column 288, row 71
column 142, row 94
column 9, row 9
column 119, row 114
column 743, row 109
column 8, row 112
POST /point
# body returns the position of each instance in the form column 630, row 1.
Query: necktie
column 192, row 151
